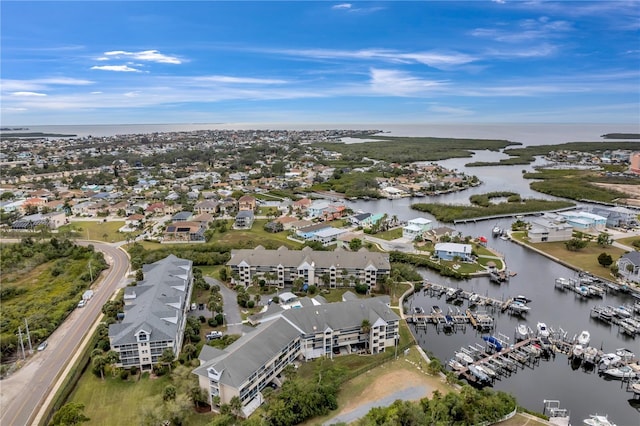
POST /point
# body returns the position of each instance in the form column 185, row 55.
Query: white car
column 82, row 303
column 42, row 346
column 194, row 306
column 213, row 335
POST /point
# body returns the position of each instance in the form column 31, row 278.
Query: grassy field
column 99, row 231
column 389, row 235
column 585, row 259
column 101, row 397
column 628, row 241
column 249, row 238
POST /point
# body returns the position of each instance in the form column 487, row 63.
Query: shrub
column 134, row 370
column 251, row 304
column 202, row 319
column 124, row 374
column 212, row 322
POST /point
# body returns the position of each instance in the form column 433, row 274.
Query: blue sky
column 319, row 62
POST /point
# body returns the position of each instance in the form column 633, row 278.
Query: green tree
column 365, row 328
column 605, row 260
column 575, row 244
column 167, row 357
column 169, row 393
column 72, row 413
column 99, row 362
column 604, row 239
column 236, row 406
column 355, row 244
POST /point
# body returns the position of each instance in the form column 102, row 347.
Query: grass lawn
column 212, row 271
column 389, row 235
column 628, row 241
column 585, row 259
column 114, row 401
column 99, row 231
column 249, row 238
column 484, row 260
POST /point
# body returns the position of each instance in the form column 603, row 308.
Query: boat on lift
column 584, row 338
column 622, row 372
column 522, row 332
column 543, row 331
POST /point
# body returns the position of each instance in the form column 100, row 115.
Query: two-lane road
column 23, row 394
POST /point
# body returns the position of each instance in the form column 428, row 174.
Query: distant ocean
column 525, row 133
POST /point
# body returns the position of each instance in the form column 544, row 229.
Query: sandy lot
column 632, row 191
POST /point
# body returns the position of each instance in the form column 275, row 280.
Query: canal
column 582, row 392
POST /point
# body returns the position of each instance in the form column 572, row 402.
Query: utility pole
column 21, row 343
column 28, row 336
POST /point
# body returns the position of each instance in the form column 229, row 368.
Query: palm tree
column 365, row 328
column 236, row 406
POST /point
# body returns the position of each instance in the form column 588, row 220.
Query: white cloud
column 342, row 6
column 400, row 83
column 145, row 55
column 443, row 109
column 11, row 85
column 28, row 94
column 102, row 58
column 499, row 1
column 95, row 93
column 116, row 68
column 12, row 109
column 435, row 59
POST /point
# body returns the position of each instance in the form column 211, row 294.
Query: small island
column 33, row 135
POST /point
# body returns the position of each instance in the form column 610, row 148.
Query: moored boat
column 479, row 373
column 584, row 338
column 518, row 308
column 543, row 331
column 622, row 372
column 596, row 420
column 609, row 360
column 522, row 332
column 464, row 358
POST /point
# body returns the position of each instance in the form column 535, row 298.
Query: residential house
column 182, row 216
column 616, row 216
column 629, row 266
column 546, row 229
column 416, row 228
column 451, row 251
column 584, row 221
column 184, row 232
column 251, row 363
column 366, row 220
column 84, row 209
column 247, row 203
column 51, row 220
column 328, row 268
column 155, row 314
column 301, row 205
column 286, row 222
column 308, row 232
column 206, row 206
column 34, row 203
column 244, row 219
column 328, row 235
column 157, row 209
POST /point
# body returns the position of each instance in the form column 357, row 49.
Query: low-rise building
column 416, row 228
column 258, row 358
column 629, row 266
column 155, row 314
column 544, row 229
column 328, row 268
column 184, row 232
column 451, row 251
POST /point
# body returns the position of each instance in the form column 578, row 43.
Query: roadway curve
column 24, row 393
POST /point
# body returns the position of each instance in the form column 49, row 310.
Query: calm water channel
column 581, row 392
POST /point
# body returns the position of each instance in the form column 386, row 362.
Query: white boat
column 590, row 355
column 464, row 358
column 496, row 231
column 584, row 338
column 455, row 365
column 487, row 370
column 596, row 420
column 577, row 351
column 478, row 373
column 610, row 360
column 582, row 291
column 625, row 354
column 622, row 312
column 628, row 326
column 622, row 372
column 519, row 307
column 522, row 299
column 522, row 332
column 543, row 331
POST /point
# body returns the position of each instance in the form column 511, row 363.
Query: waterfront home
column 584, row 221
column 313, row 267
column 182, row 216
column 451, row 251
column 308, row 232
column 301, row 205
column 416, row 228
column 328, row 235
column 366, row 220
column 629, row 266
column 250, row 364
column 546, row 229
column 155, row 314
column 616, row 216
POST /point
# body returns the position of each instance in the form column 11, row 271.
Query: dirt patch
column 632, row 191
column 386, row 385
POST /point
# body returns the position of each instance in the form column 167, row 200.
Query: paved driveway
column 232, row 315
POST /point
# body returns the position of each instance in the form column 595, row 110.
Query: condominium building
column 155, row 313
column 258, row 358
column 328, row 268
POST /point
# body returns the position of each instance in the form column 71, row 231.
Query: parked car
column 213, row 335
column 194, row 306
column 82, row 303
column 42, row 346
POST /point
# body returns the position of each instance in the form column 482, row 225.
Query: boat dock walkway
column 504, row 363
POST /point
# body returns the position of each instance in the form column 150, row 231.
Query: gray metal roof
column 164, row 284
column 322, row 259
column 251, row 351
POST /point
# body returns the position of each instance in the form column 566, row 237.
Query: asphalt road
column 24, row 393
